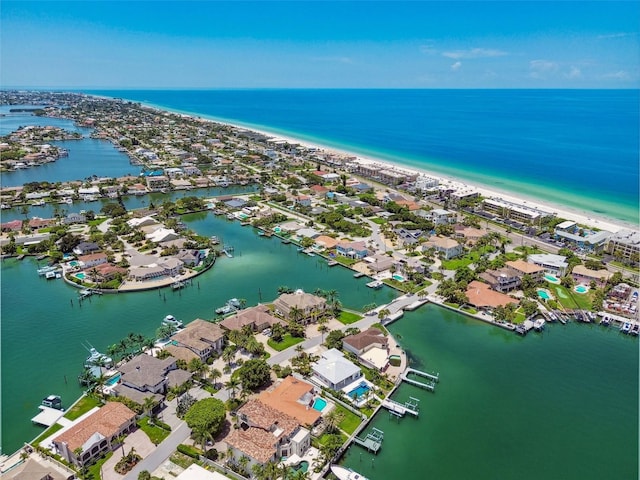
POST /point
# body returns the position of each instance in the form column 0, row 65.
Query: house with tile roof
column 199, row 339
column 144, row 376
column 310, row 307
column 265, row 434
column 258, row 318
column 370, row 346
column 95, row 434
column 293, row 397
column 449, row 247
column 502, row 279
column 481, row 296
column 526, row 268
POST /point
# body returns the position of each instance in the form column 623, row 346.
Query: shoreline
column 594, row 220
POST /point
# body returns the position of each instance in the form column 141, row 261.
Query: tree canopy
column 207, row 414
column 254, row 374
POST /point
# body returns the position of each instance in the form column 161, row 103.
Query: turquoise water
column 319, row 404
column 551, row 278
column 113, row 380
column 302, row 466
column 79, row 275
column 359, row 391
column 543, row 144
column 581, row 289
column 40, row 316
column 544, row 295
column 561, row 404
column 397, row 277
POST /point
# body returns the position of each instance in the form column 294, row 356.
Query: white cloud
column 334, row 59
column 541, row 68
column 619, row 75
column 474, row 53
column 615, row 35
column 573, row 73
column 428, row 48
column 456, row 66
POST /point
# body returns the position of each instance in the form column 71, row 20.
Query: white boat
column 4, row 206
column 538, row 325
column 39, row 203
column 96, row 358
column 47, row 269
column 52, row 401
column 346, row 473
column 232, row 305
column 50, row 275
column 172, row 321
column 375, row 284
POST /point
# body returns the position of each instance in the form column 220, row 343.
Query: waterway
column 562, row 404
column 43, row 333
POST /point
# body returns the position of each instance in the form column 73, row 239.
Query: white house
column 335, row 371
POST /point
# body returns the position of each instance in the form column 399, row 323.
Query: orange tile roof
column 265, row 417
column 524, row 267
column 108, row 421
column 481, row 295
column 253, row 442
column 285, row 398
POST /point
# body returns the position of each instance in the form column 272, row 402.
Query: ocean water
column 577, row 148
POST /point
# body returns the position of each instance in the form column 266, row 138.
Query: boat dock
column 228, row 251
column 411, row 407
column 47, row 416
column 372, row 442
column 430, row 385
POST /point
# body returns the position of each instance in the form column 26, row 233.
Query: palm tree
column 215, row 374
column 332, row 420
column 202, row 435
column 244, row 460
column 382, row 314
column 232, row 384
column 147, row 406
column 295, row 314
column 323, row 329
column 120, row 439
column 228, row 354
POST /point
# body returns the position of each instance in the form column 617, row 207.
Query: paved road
column 161, row 453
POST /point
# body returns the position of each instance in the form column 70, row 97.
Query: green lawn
column 569, row 299
column 346, row 261
column 469, row 258
column 155, row 433
column 97, row 221
column 470, row 310
column 94, row 470
column 347, row 318
column 47, row 433
column 85, row 404
column 378, row 220
column 287, row 341
column 350, row 420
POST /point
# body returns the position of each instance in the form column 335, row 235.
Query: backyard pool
column 551, row 278
column 581, row 289
column 302, row 466
column 319, row 404
column 73, row 263
column 543, row 295
column 359, row 391
column 113, row 380
column 398, row 277
column 79, row 275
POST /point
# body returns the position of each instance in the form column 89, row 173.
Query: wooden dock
column 399, row 409
column 372, row 442
column 431, row 385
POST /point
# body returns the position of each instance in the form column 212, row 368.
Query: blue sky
column 296, row 44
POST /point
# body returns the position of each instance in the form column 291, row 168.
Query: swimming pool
column 581, row 289
column 543, row 295
column 303, row 465
column 551, row 278
column 80, row 275
column 359, row 391
column 319, row 404
column 73, row 263
column 397, row 277
column 113, row 380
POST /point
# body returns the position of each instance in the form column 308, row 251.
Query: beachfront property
column 144, row 376
column 502, row 279
column 305, row 306
column 95, row 435
column 257, row 318
column 581, row 237
column 352, row 249
column 334, row 371
column 199, row 339
column 514, row 211
column 449, row 247
column 293, row 397
column 625, row 245
column 552, row 263
column 424, row 183
column 585, row 276
column 440, row 216
column 481, row 296
column 371, row 346
column 264, row 434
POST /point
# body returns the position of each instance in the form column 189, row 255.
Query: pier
column 228, row 251
column 411, row 407
column 372, row 442
column 431, row 385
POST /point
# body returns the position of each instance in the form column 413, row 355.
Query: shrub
column 188, row 450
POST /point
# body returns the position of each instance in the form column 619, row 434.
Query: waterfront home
column 144, row 376
column 36, row 468
column 93, row 259
column 142, row 221
column 293, row 397
column 514, row 211
column 526, row 268
column 553, row 264
column 199, row 339
column 480, row 296
column 157, row 183
column 624, row 245
column 370, row 346
column 449, row 247
column 582, row 274
column 12, row 226
column 502, row 279
column 74, row 218
column 85, row 248
column 190, row 257
column 97, row 434
column 106, row 272
column 324, row 241
column 264, row 434
column 162, row 234
column 137, row 189
column 258, row 318
column 36, row 223
column 352, row 249
column 335, row 371
column 379, row 263
column 305, row 306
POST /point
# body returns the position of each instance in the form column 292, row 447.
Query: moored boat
column 376, row 284
column 52, row 401
column 96, row 358
column 344, row 473
column 172, row 321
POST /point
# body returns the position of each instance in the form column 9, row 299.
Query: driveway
column 142, row 445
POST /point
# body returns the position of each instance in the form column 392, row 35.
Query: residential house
column 258, row 318
column 293, row 397
column 190, row 257
column 162, row 235
column 199, row 339
column 449, row 247
column 480, row 296
column 470, row 235
column 36, row 223
column 93, row 259
column 12, row 226
column 554, row 264
column 324, row 241
column 303, row 200
column 440, row 216
column 97, row 434
column 84, row 248
column 142, row 222
column 319, row 190
column 352, row 249
column 525, row 268
column 502, row 280
column 308, row 307
column 584, row 275
column 144, row 376
column 370, row 346
column 107, row 271
column 335, row 371
column 74, row 218
column 265, row 434
column 157, row 183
